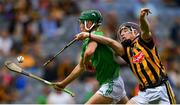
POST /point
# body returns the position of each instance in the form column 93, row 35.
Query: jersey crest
column 138, row 57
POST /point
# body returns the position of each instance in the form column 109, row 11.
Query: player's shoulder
column 150, row 43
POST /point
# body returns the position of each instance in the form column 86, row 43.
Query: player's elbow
column 146, row 35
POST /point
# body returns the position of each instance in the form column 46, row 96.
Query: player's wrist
column 64, row 84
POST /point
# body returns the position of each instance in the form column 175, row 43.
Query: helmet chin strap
column 136, row 35
column 88, row 29
column 131, row 42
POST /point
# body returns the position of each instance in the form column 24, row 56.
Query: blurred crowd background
column 37, row 29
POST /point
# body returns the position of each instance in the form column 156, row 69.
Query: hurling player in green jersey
column 100, row 58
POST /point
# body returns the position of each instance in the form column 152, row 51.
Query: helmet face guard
column 131, row 26
column 91, row 15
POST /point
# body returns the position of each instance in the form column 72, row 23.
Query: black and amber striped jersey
column 145, row 63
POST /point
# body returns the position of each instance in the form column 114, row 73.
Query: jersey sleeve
column 150, row 44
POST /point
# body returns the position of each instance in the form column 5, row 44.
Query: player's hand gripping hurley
column 15, row 68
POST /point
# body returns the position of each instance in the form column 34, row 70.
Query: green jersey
column 103, row 61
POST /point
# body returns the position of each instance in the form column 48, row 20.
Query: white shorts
column 159, row 95
column 114, row 89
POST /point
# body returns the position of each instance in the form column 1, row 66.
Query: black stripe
column 171, row 92
column 149, row 44
column 168, row 93
column 161, row 72
column 138, row 49
column 155, row 74
column 156, row 52
column 136, row 69
column 162, row 67
column 152, row 58
column 145, row 74
column 149, row 53
column 163, row 76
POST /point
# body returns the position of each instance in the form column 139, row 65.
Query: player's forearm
column 86, row 58
column 102, row 40
column 145, row 28
column 116, row 46
column 144, row 25
column 74, row 74
column 90, row 49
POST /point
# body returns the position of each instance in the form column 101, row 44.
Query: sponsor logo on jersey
column 138, row 57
